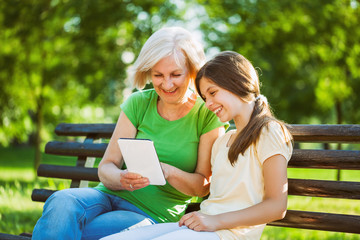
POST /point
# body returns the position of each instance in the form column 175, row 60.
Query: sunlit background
column 66, row 61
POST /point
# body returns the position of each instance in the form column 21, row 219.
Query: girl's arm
column 272, row 208
column 109, row 170
column 197, row 183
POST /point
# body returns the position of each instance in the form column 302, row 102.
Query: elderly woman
column 183, row 131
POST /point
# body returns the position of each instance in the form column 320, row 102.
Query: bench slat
column 301, row 132
column 68, row 172
column 100, row 130
column 4, row 236
column 325, row 159
column 324, row 188
column 40, row 195
column 299, row 187
column 76, row 149
column 325, row 132
column 301, row 158
column 320, row 221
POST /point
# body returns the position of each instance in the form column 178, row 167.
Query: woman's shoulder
column 147, row 93
column 142, row 96
column 137, row 103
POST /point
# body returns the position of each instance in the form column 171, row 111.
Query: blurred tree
column 308, row 53
column 65, row 60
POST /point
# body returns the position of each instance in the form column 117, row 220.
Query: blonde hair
column 170, row 41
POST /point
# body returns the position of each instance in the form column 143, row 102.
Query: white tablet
column 140, row 157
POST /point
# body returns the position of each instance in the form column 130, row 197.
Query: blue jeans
column 86, row 213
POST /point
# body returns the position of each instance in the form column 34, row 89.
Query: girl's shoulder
column 276, row 129
column 274, row 138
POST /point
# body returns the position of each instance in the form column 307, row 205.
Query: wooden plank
column 301, row 132
column 323, row 188
column 325, row 159
column 320, row 221
column 301, row 158
column 4, row 236
column 299, row 187
column 76, row 149
column 325, row 132
column 40, row 195
column 101, row 130
column 68, row 172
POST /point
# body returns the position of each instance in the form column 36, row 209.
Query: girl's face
column 170, row 80
column 223, row 103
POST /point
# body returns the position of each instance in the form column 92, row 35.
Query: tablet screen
column 140, row 157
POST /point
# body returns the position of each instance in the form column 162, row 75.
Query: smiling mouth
column 169, row 91
column 216, row 111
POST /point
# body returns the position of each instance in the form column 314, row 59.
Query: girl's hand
column 199, row 222
column 133, row 181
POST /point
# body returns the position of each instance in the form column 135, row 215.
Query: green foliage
column 62, row 61
column 65, row 61
column 308, row 52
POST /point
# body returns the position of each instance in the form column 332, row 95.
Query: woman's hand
column 199, row 222
column 132, row 181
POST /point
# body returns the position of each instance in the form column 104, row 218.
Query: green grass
column 19, row 214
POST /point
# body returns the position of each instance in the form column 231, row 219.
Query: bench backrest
column 89, row 149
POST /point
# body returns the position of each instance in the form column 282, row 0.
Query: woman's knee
column 70, row 200
column 60, row 199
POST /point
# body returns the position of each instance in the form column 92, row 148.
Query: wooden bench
column 90, row 148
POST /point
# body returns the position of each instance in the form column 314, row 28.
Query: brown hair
column 233, row 72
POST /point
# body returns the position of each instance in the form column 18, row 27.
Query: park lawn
column 19, row 214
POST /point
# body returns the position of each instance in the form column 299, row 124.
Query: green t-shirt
column 176, row 143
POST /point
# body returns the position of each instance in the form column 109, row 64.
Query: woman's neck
column 172, row 112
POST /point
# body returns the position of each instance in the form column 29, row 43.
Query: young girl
column 249, row 181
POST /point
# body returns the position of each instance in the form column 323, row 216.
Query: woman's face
column 170, row 80
column 223, row 103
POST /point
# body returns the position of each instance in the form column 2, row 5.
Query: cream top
column 242, row 185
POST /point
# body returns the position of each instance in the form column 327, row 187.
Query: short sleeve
column 215, row 149
column 134, row 107
column 272, row 142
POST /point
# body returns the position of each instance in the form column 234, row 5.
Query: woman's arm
column 272, row 208
column 109, row 170
column 197, row 183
